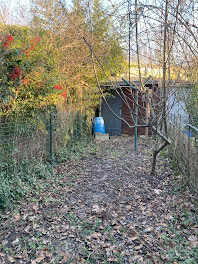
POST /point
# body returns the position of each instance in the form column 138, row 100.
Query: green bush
column 17, row 182
column 24, row 150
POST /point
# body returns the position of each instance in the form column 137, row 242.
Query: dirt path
column 102, row 208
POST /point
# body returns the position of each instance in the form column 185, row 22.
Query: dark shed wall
column 113, row 125
column 126, row 113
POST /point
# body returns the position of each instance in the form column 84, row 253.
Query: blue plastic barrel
column 187, row 132
column 98, row 125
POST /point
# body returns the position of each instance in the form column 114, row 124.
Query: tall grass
column 183, row 153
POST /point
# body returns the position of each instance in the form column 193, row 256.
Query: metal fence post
column 136, row 119
column 50, row 137
column 77, row 128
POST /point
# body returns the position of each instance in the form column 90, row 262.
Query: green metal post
column 77, row 127
column 50, row 134
column 136, row 119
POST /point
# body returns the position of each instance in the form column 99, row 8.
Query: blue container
column 187, row 132
column 98, row 125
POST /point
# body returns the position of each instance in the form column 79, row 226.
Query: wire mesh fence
column 184, row 153
column 31, row 142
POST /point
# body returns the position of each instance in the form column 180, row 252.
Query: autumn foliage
column 7, row 42
column 26, row 74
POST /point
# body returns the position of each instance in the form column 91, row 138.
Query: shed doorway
column 113, row 125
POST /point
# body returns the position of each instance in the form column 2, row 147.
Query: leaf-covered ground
column 103, row 207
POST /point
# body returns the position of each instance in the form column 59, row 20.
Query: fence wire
column 184, row 153
column 31, row 142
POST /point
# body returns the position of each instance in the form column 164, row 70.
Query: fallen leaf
column 16, row 241
column 27, row 229
column 193, row 241
column 148, row 229
column 38, row 259
column 35, row 208
column 157, row 191
column 66, row 257
column 96, row 235
column 11, row 259
column 137, row 257
column 133, row 238
column 138, row 247
column 168, row 217
column 17, row 217
column 163, row 224
column 96, row 208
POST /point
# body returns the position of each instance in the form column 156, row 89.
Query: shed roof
column 120, row 83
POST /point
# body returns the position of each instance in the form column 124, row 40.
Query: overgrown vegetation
column 183, row 153
column 46, row 70
column 17, row 184
column 180, row 235
column 192, row 105
column 77, row 216
column 25, row 149
column 105, row 206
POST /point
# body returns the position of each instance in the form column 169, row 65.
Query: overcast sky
column 15, row 11
column 14, row 3
column 21, row 15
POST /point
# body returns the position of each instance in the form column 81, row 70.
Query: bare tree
column 155, row 18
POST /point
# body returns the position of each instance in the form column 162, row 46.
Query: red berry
column 58, row 87
column 32, row 47
column 13, row 76
column 10, row 38
column 64, row 94
column 37, row 39
column 17, row 70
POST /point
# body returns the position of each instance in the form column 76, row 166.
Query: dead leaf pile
column 102, row 208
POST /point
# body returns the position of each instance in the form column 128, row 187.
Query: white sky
column 14, row 11
column 19, row 10
column 14, row 3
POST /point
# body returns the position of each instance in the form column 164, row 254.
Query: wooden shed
column 115, row 107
